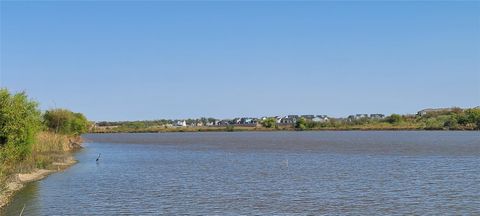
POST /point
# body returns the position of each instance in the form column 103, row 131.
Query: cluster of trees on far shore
column 21, row 121
column 451, row 119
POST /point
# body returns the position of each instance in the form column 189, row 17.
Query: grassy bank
column 49, row 153
column 48, row 148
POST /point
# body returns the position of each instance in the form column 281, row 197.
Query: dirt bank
column 18, row 181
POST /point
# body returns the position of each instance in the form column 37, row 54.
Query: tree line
column 455, row 119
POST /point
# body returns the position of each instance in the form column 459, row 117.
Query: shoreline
column 259, row 129
column 19, row 180
column 58, row 150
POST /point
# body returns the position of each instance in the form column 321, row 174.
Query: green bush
column 473, row 116
column 451, row 122
column 269, row 122
column 20, row 121
column 65, row 122
column 434, row 124
column 301, row 124
column 394, row 119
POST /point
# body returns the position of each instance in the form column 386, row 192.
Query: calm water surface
column 273, row 173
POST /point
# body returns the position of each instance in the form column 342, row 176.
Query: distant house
column 320, row 118
column 244, row 121
column 293, row 117
column 426, row 111
column 248, row 121
column 278, row 119
column 377, row 116
column 359, row 116
column 288, row 120
column 236, row 121
column 181, row 123
column 223, row 122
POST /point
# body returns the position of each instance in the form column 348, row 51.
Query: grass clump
column 48, row 148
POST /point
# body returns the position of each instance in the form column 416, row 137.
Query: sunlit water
column 273, row 173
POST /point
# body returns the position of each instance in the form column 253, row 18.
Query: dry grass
column 3, row 179
column 47, row 149
column 48, row 154
column 48, row 142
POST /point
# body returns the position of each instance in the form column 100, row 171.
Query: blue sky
column 150, row 60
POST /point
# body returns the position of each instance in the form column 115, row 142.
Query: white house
column 181, row 123
column 320, row 118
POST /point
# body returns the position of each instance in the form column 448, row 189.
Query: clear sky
column 150, row 60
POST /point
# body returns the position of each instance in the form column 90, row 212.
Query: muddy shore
column 18, row 181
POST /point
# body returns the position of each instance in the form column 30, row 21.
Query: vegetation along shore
column 428, row 119
column 34, row 144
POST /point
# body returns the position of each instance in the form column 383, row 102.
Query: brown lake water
column 265, row 173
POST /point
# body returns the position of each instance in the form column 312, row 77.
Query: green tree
column 451, row 122
column 79, row 124
column 65, row 121
column 473, row 116
column 20, row 121
column 301, row 124
column 269, row 122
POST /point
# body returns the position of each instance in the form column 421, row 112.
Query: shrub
column 394, row 119
column 65, row 121
column 473, row 115
column 434, row 124
column 301, row 124
column 470, row 118
column 19, row 123
column 451, row 123
column 269, row 122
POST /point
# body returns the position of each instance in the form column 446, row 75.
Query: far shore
column 263, row 129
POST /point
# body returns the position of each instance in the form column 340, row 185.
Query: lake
column 265, row 173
